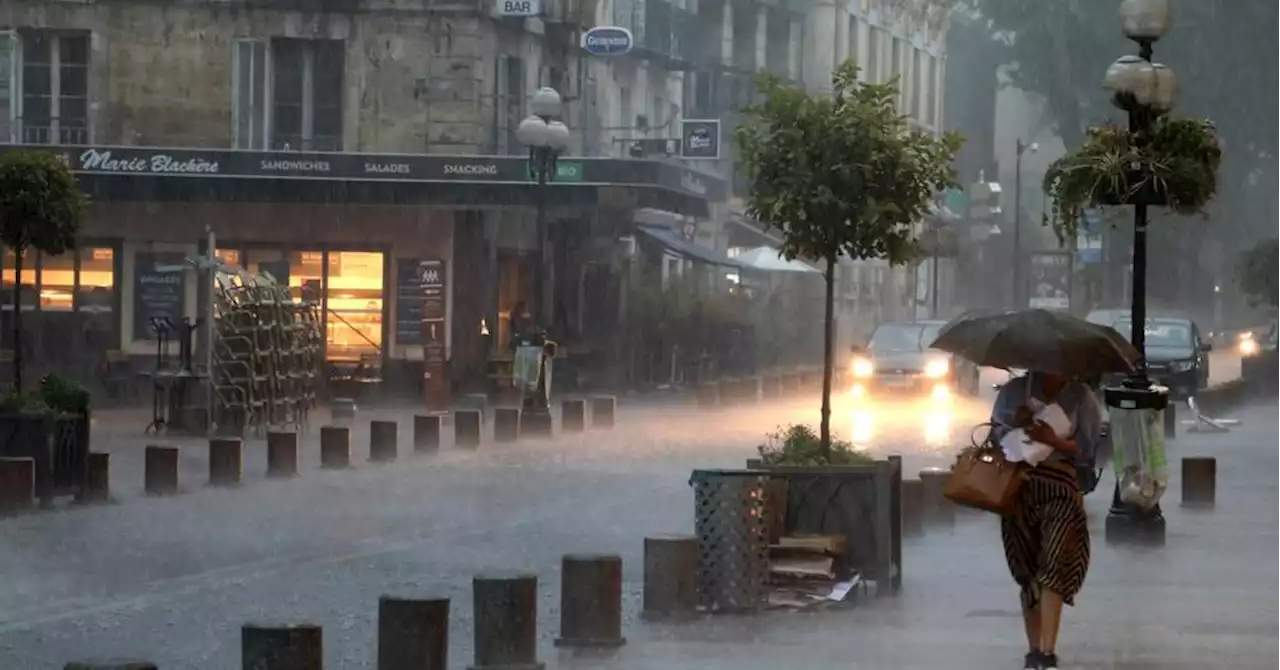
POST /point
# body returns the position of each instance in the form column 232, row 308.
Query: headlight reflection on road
column 863, row 427
column 937, row 428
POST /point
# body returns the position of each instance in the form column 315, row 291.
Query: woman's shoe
column 1048, row 662
column 1032, row 661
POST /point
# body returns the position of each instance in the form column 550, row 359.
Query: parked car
column 1260, row 362
column 898, row 362
column 1177, row 356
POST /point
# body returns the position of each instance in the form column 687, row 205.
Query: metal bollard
column 1199, row 481
column 160, row 473
column 97, row 479
column 912, row 507
column 335, row 447
column 282, row 454
column 382, row 441
column 935, row 508
column 110, row 664
column 413, row 633
column 226, row 461
column 670, row 576
column 17, row 484
column 506, row 424
column 573, row 415
column 590, row 601
column 426, row 433
column 281, row 647
column 466, row 428
column 506, row 622
column 604, row 409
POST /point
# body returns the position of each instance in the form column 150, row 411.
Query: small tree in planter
column 50, row 426
column 40, row 208
column 843, row 175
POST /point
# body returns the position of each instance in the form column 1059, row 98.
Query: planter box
column 57, row 443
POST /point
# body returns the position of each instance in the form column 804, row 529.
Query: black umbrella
column 1037, row 339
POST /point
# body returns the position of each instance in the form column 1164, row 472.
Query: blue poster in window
column 159, row 288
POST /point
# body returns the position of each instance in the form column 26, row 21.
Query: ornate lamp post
column 1146, row 91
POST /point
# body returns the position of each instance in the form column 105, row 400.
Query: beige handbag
column 983, row 479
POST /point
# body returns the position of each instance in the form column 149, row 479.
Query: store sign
column 700, row 139
column 1050, row 280
column 568, row 171
column 608, row 41
column 432, row 281
column 518, row 7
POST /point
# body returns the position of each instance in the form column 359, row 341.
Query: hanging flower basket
column 1177, row 167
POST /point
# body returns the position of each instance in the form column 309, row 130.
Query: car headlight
column 1248, row 347
column 937, row 368
column 863, row 368
column 1181, row 366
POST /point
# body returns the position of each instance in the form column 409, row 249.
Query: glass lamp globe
column 545, row 102
column 533, row 132
column 1130, row 77
column 557, row 135
column 1165, row 91
column 1145, row 20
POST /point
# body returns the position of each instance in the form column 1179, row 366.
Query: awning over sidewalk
column 768, row 259
column 690, row 250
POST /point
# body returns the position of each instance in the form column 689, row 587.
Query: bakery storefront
column 352, row 232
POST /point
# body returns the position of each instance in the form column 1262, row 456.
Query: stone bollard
column 573, row 415
column 335, row 447
column 506, row 424
column 282, row 454
column 604, row 409
column 17, row 484
column 708, row 395
column 1199, row 481
column 226, row 461
column 281, row 647
column 160, row 474
column 536, row 424
column 912, row 507
column 426, row 433
column 382, row 441
column 726, row 390
column 590, row 601
column 342, row 409
column 670, row 576
column 934, row 507
column 97, row 479
column 413, row 633
column 110, row 664
column 466, row 428
column 1171, row 421
column 505, row 609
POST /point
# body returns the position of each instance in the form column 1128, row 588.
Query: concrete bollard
column 110, row 664
column 1171, row 421
column 382, row 441
column 590, row 601
column 281, row 647
column 573, row 415
column 426, row 433
column 934, row 507
column 160, row 474
column 342, row 410
column 335, row 447
column 226, row 461
column 505, row 609
column 708, row 395
column 727, row 392
column 604, row 409
column 912, row 507
column 17, row 484
column 413, row 633
column 97, row 479
column 1199, row 481
column 506, row 424
column 282, row 454
column 670, row 576
column 536, row 424
column 466, row 428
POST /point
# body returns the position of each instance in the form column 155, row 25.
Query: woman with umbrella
column 1046, row 539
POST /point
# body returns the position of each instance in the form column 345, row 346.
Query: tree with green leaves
column 41, row 207
column 1257, row 273
column 840, row 175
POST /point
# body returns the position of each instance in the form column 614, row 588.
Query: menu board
column 408, row 302
column 159, row 287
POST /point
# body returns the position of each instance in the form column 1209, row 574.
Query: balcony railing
column 45, row 131
column 668, row 33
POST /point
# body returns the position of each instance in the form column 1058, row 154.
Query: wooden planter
column 57, row 443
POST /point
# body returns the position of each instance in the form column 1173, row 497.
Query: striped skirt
column 1046, row 541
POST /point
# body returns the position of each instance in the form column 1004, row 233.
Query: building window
column 301, row 271
column 511, row 103
column 895, row 67
column 853, row 45
column 44, row 87
column 355, row 294
column 933, row 95
column 873, row 54
column 306, row 90
column 96, row 281
column 57, row 282
column 249, row 94
column 916, row 101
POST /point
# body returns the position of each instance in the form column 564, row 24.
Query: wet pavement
column 172, row 579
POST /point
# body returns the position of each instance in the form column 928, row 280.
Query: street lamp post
column 1145, row 90
column 1019, row 148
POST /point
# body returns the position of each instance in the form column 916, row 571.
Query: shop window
column 228, row 256
column 301, row 271
column 28, row 279
column 96, row 290
column 355, row 294
column 57, row 282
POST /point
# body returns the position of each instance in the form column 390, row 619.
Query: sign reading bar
column 518, row 7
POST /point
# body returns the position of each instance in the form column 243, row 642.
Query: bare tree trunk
column 828, row 355
column 17, row 320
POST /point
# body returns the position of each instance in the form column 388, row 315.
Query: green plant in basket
column 64, row 395
column 1175, row 166
column 25, row 403
column 798, row 444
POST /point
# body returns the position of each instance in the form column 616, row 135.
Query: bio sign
column 519, row 7
column 607, row 41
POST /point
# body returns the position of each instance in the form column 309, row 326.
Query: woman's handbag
column 983, row 479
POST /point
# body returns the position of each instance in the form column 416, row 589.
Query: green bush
column 57, row 395
column 798, row 444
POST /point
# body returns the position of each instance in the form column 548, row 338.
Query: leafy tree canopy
column 40, row 203
column 844, row 174
column 1257, row 273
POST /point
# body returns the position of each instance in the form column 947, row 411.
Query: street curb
column 1228, row 395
